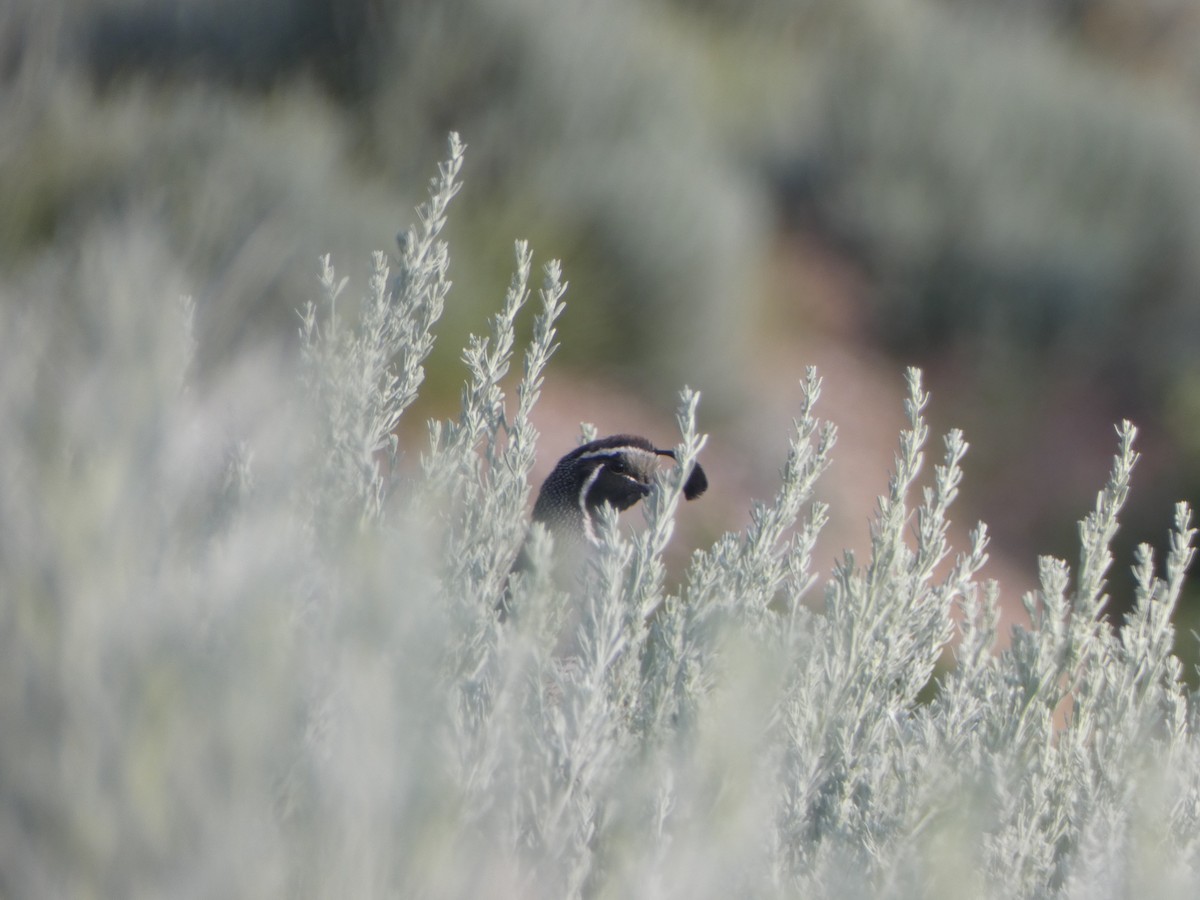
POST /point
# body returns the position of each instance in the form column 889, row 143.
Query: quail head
column 617, row 470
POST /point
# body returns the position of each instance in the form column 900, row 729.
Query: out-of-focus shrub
column 245, row 653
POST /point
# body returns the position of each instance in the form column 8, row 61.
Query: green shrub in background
column 257, row 135
column 248, row 645
column 996, row 187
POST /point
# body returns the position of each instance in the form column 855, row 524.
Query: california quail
column 617, row 470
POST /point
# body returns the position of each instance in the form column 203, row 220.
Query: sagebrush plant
column 249, row 645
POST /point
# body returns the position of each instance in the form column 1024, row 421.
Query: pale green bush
column 249, row 647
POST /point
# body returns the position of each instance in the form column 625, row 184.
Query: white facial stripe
column 646, row 457
column 588, row 531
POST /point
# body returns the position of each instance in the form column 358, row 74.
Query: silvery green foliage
column 365, row 376
column 249, row 644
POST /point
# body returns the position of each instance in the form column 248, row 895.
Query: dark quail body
column 616, row 470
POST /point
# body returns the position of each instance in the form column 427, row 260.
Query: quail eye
column 618, row 468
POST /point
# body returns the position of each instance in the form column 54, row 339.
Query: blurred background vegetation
column 1004, row 193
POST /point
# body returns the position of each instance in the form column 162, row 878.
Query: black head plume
column 697, row 482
